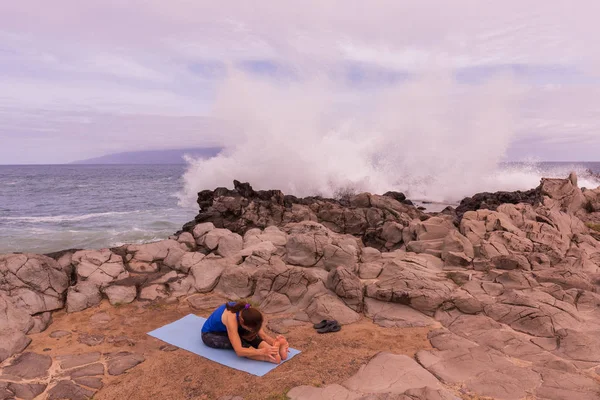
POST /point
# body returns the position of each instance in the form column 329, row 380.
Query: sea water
column 47, row 208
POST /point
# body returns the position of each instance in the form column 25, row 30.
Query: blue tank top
column 213, row 322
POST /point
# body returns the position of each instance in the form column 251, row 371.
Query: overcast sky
column 80, row 79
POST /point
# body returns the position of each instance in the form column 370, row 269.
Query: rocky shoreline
column 507, row 284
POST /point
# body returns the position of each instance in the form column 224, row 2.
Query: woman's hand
column 269, row 351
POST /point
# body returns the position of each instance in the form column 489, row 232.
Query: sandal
column 331, row 326
column 321, row 324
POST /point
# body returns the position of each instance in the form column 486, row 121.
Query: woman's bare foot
column 277, row 344
column 283, row 348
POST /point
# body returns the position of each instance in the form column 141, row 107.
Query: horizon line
column 75, row 163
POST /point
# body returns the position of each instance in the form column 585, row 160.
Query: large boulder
column 36, row 283
column 341, row 254
column 457, row 250
column 347, row 286
column 146, row 258
column 592, row 198
column 206, row 273
column 83, row 295
column 330, row 307
column 223, row 242
column 99, row 266
column 188, row 239
column 392, row 233
column 262, row 250
column 491, row 201
column 298, row 284
column 236, row 282
column 271, row 234
column 187, row 261
column 427, row 236
column 200, row 230
column 414, row 281
column 13, row 318
column 243, row 209
column 120, row 294
column 305, row 244
column 562, row 194
column 14, row 324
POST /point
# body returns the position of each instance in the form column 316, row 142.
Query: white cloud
column 32, row 94
column 121, row 66
column 135, row 58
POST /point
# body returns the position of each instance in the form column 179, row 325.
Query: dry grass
column 593, row 226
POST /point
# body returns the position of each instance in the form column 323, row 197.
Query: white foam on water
column 37, row 241
column 69, row 218
column 431, row 138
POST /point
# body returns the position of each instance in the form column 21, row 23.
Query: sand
column 325, row 358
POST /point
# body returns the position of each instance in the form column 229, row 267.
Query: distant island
column 152, row 156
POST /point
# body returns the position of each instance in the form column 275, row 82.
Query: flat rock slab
column 329, row 392
column 100, row 318
column 26, row 391
column 443, row 339
column 88, row 370
column 91, row 339
column 5, row 393
column 560, row 385
column 483, row 370
column 427, row 393
column 168, row 347
column 391, row 373
column 210, row 302
column 59, row 334
column 580, row 346
column 29, row 366
column 120, row 365
column 394, row 315
column 338, row 392
column 117, row 354
column 91, row 382
column 120, row 341
column 77, row 360
column 68, row 390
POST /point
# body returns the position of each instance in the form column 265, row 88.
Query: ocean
column 47, row 208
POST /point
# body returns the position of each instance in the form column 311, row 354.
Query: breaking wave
column 430, row 138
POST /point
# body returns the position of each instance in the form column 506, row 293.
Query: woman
column 238, row 326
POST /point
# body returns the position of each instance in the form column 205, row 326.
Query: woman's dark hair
column 253, row 319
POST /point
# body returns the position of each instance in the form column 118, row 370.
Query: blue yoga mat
column 186, row 334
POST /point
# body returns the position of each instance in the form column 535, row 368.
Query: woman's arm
column 232, row 332
column 263, row 335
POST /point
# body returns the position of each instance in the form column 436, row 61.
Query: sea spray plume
column 430, row 137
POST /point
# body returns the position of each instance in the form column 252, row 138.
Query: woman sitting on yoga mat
column 238, row 326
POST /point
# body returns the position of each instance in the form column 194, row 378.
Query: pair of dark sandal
column 327, row 326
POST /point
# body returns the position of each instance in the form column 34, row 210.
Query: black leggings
column 220, row 340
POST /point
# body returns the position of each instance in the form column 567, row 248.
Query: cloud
column 146, row 59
